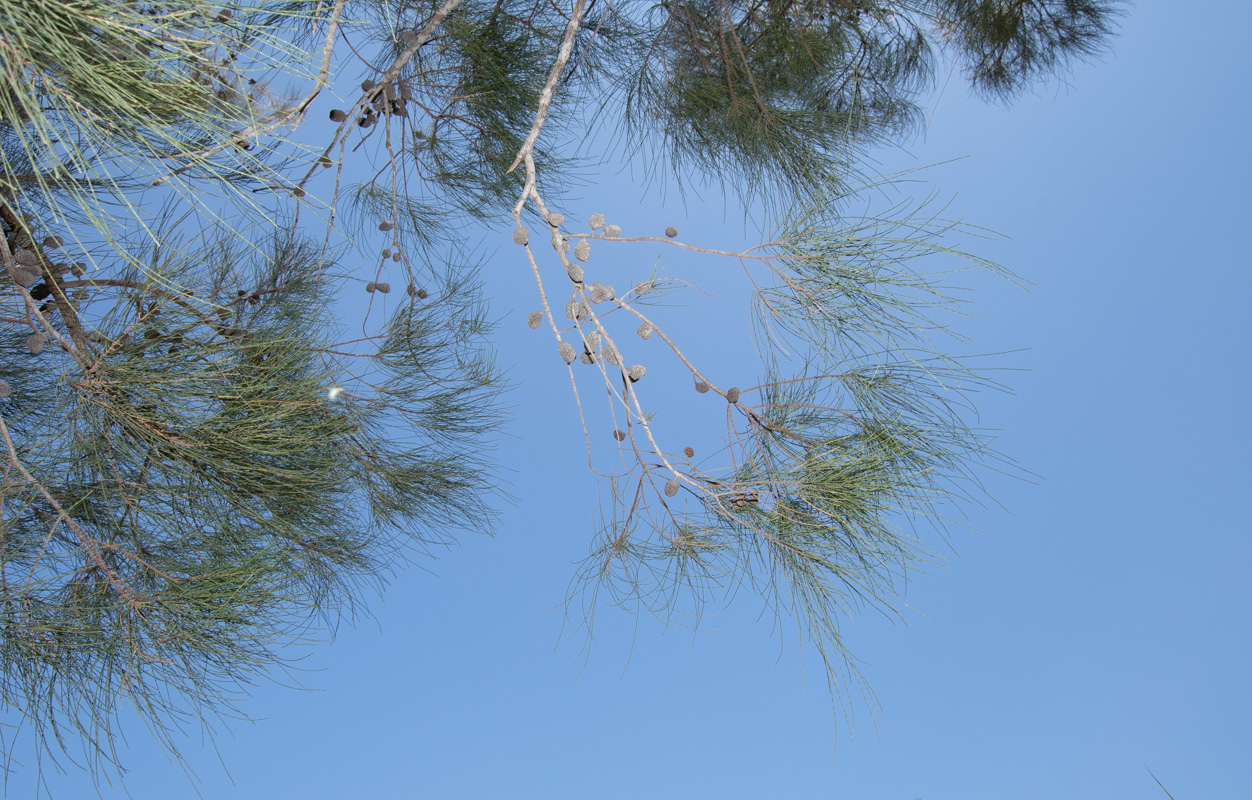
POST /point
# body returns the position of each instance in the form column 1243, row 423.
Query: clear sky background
column 1097, row 627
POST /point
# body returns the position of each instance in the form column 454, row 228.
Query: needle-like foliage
column 200, row 461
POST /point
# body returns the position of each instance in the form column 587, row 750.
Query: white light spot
column 334, row 392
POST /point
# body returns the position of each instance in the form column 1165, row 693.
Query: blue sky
column 1096, row 627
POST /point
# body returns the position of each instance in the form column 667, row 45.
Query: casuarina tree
column 209, row 447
